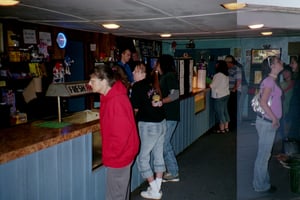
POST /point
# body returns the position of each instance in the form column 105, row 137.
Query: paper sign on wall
column 29, row 36
column 45, row 38
column 93, row 47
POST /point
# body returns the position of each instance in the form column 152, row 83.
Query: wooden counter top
column 197, row 90
column 25, row 139
column 22, row 140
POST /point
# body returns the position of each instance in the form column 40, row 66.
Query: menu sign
column 78, row 88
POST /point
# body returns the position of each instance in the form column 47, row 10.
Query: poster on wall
column 12, row 39
column 258, row 55
column 181, row 77
column 29, row 36
column 237, row 53
column 248, row 62
column 248, row 57
column 257, row 76
column 45, row 38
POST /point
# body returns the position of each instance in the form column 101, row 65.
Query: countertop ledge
column 22, row 140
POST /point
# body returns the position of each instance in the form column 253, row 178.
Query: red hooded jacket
column 120, row 140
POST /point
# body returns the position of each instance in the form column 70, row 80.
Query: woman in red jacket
column 120, row 141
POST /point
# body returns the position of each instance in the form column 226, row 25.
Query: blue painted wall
column 243, row 43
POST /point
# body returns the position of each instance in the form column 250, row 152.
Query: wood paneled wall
column 104, row 42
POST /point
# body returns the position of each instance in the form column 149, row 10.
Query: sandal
column 226, row 130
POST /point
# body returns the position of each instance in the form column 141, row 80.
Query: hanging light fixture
column 256, row 26
column 111, row 26
column 9, row 2
column 165, row 35
column 267, row 33
column 234, row 6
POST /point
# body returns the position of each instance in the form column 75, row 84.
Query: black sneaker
column 170, row 178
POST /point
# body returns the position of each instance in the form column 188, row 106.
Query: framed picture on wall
column 258, row 55
column 257, row 76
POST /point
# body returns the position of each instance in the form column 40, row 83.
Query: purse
column 290, row 146
column 256, row 105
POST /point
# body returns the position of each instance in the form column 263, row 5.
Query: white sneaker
column 151, row 194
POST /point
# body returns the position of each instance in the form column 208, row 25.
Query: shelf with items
column 184, row 69
column 147, row 49
column 17, row 79
column 18, row 74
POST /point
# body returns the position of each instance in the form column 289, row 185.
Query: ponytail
column 119, row 74
column 111, row 74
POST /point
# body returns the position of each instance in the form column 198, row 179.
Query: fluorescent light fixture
column 267, row 33
column 111, row 26
column 8, row 2
column 234, row 6
column 256, row 26
column 165, row 35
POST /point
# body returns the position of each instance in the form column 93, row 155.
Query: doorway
column 75, row 51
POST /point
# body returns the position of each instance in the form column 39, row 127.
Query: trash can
column 290, row 146
column 295, row 175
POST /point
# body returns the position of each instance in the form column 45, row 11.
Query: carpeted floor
column 207, row 171
column 220, row 167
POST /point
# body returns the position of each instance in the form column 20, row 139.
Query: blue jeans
column 152, row 135
column 222, row 109
column 266, row 135
column 169, row 154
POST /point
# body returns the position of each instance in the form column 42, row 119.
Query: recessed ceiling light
column 234, row 6
column 165, row 35
column 267, row 33
column 255, row 26
column 111, row 26
column 8, row 2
